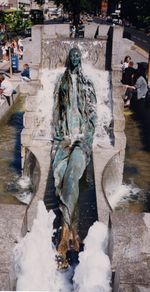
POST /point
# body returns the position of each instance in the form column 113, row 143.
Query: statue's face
column 75, row 58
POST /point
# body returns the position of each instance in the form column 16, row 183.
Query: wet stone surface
column 131, row 255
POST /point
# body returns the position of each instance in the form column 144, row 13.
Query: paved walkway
column 5, row 68
column 137, row 54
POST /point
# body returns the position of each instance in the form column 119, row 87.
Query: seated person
column 140, row 88
column 6, row 88
column 128, row 76
column 125, row 64
column 25, row 73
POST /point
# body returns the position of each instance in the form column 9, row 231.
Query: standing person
column 4, row 52
column 20, row 48
column 6, row 88
column 20, row 44
column 15, row 47
column 72, row 31
column 74, row 125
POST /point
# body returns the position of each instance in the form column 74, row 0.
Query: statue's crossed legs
column 74, row 168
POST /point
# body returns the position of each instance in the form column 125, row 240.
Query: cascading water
column 35, row 265
column 11, row 183
column 44, row 103
column 36, row 249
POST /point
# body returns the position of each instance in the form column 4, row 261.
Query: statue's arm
column 56, row 111
column 92, row 104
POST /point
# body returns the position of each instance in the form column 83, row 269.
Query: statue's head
column 74, row 58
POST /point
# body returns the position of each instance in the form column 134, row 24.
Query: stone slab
column 131, row 254
column 11, row 220
column 4, row 282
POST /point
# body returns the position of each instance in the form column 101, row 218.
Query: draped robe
column 74, row 118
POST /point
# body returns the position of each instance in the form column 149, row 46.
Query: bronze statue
column 74, row 124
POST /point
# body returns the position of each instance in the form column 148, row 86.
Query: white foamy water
column 34, row 256
column 24, row 182
column 121, row 194
column 93, row 274
column 35, row 265
column 101, row 81
column 25, row 196
column 44, row 103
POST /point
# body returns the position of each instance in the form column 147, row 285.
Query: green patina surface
column 74, row 125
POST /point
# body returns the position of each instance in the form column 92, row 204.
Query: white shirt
column 20, row 44
column 7, row 87
column 141, row 86
column 124, row 66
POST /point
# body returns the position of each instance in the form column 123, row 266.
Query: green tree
column 78, row 6
column 136, row 11
column 15, row 22
column 39, row 2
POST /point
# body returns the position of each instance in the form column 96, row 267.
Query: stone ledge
column 131, row 257
column 11, row 219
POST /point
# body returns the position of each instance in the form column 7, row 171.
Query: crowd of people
column 10, row 48
column 75, row 29
column 135, row 81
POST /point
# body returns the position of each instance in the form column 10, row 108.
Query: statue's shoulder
column 58, row 82
column 59, row 77
column 88, row 81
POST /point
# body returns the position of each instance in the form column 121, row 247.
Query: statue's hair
column 2, row 77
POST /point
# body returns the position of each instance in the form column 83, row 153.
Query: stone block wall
column 55, row 52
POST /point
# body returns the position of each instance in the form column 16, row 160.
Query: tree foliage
column 136, row 11
column 39, row 2
column 15, row 22
column 79, row 5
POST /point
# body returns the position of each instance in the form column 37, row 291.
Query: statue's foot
column 62, row 262
column 62, row 249
column 74, row 242
column 70, row 241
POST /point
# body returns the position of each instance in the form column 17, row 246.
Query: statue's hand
column 77, row 138
column 66, row 141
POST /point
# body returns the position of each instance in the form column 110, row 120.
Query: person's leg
column 25, row 78
column 129, row 93
column 8, row 99
column 70, row 192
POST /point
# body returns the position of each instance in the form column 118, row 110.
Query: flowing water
column 10, row 153
column 137, row 163
column 136, row 173
column 42, row 255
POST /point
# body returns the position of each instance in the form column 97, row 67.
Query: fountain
column 66, row 139
column 37, row 135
